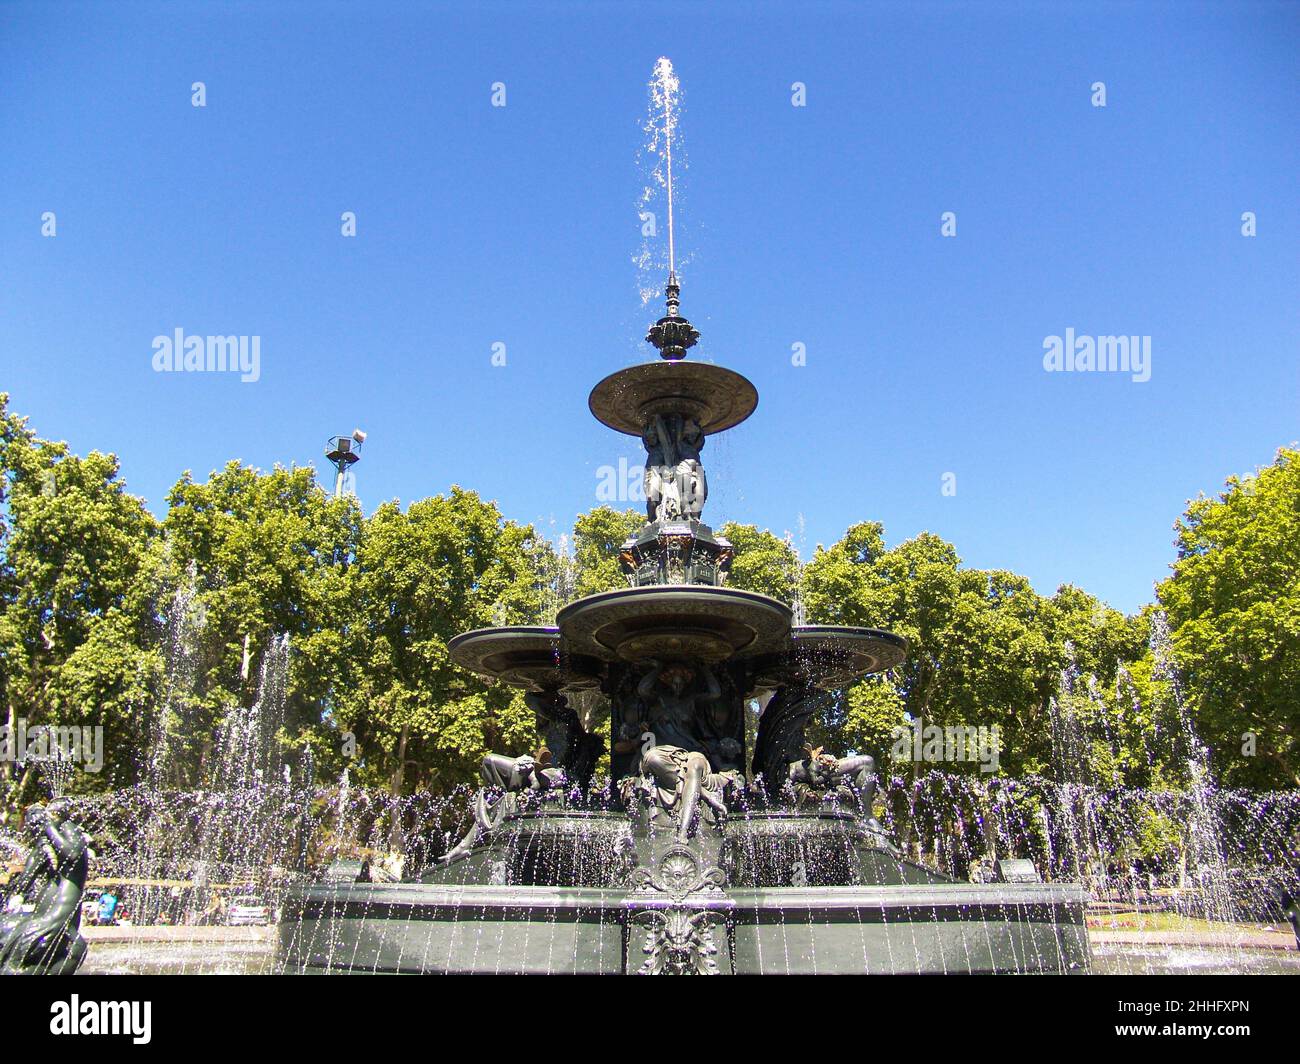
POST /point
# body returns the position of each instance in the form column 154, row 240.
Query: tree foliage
column 597, row 536
column 984, row 649
column 112, row 618
column 1234, row 606
column 79, row 582
column 442, row 566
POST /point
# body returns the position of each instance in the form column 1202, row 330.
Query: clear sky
column 817, row 225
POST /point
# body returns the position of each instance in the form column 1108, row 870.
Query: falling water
column 249, row 755
column 1207, row 851
column 253, row 826
column 184, row 621
column 559, row 578
column 664, row 90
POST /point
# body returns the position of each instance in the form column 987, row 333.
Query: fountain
column 693, row 866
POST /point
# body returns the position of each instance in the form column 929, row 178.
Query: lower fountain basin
column 712, row 624
column 526, row 657
column 916, row 929
column 949, row 928
column 812, row 848
column 554, row 848
column 501, row 911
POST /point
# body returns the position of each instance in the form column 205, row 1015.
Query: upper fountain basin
column 710, row 624
column 715, row 397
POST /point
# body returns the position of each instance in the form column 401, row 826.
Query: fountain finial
column 673, row 334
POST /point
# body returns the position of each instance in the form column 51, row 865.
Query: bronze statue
column 684, row 778
column 524, row 773
column 671, row 696
column 821, row 777
column 575, row 750
column 781, row 728
column 658, row 479
column 676, row 758
column 512, row 776
column 692, row 487
column 675, row 485
column 47, row 941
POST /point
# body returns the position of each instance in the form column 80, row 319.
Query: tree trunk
column 395, row 834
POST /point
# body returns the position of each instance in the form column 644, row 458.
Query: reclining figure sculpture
column 822, row 777
column 509, row 777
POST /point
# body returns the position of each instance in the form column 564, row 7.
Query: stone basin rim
column 521, row 629
column 846, row 634
column 531, row 657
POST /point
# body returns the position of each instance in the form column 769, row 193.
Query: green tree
column 268, row 554
column 1233, row 603
column 445, row 565
column 78, row 590
column 597, row 537
column 984, row 648
column 764, row 562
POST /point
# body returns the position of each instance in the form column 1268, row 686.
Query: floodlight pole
column 341, row 452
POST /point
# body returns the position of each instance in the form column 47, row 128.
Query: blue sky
column 817, row 225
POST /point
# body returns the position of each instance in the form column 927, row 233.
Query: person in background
column 107, row 907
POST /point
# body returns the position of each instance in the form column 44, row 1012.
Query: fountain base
column 744, row 898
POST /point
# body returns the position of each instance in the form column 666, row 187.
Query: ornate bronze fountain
column 694, row 866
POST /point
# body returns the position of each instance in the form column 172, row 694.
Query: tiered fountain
column 694, row 866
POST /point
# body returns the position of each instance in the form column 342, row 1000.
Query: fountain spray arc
column 695, row 866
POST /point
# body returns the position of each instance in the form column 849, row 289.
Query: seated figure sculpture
column 47, row 940
column 675, row 756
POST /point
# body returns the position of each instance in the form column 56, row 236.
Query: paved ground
column 251, row 950
column 175, row 933
column 1279, row 940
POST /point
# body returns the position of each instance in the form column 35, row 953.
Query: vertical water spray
column 662, row 148
column 665, row 92
column 1205, row 838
